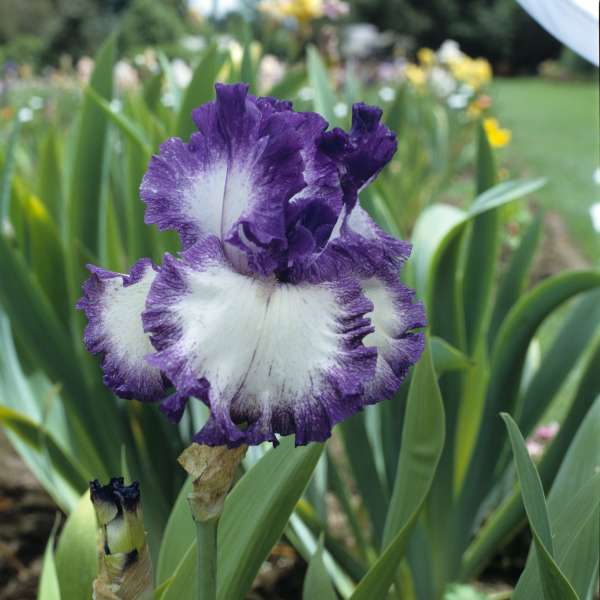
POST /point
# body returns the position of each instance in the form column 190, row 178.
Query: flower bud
column 125, row 566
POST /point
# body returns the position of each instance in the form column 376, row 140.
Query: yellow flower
column 474, row 72
column 301, row 10
column 426, row 57
column 415, row 75
column 482, row 70
column 496, row 136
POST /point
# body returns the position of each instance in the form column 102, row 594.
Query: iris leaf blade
column 77, row 552
column 507, row 519
column 316, row 582
column 507, row 364
column 34, row 435
column 178, row 536
column 446, row 357
column 87, row 171
column 555, row 585
column 200, row 89
column 361, row 460
column 49, row 588
column 422, row 443
column 247, row 534
column 562, row 357
column 482, row 250
column 514, row 280
column 324, row 98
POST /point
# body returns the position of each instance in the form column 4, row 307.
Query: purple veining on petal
column 233, row 179
column 355, row 243
column 395, row 317
column 190, row 292
column 361, row 153
column 357, row 246
column 113, row 313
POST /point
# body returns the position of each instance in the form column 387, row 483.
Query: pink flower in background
column 537, row 442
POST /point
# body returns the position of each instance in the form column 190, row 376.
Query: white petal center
column 268, row 342
column 122, row 308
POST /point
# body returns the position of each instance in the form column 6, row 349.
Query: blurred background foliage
column 40, row 31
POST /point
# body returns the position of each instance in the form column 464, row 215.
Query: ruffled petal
column 353, row 242
column 233, row 179
column 113, row 304
column 174, row 405
column 361, row 153
column 279, row 358
column 395, row 316
column 356, row 246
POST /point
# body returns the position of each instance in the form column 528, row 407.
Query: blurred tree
column 78, row 27
column 24, row 18
column 498, row 29
column 148, row 22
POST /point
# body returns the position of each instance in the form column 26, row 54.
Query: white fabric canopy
column 573, row 22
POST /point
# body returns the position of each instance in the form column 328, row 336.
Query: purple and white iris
column 283, row 312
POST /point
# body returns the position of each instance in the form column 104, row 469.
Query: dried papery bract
column 125, row 567
column 212, row 469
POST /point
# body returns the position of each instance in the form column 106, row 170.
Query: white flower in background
column 442, row 83
column 126, row 76
column 182, row 73
column 8, row 231
column 534, row 448
column 466, row 90
column 458, row 101
column 340, row 110
column 270, row 71
column 306, row 93
column 231, row 45
column 36, row 102
column 25, row 114
column 387, row 94
column 193, row 43
column 220, row 9
column 449, row 52
column 116, row 105
column 148, row 60
column 596, row 176
column 168, row 99
column 391, row 71
column 85, row 66
column 364, row 39
column 595, row 216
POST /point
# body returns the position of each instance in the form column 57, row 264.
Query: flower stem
column 206, row 547
column 212, row 470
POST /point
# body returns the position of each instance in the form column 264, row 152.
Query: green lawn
column 555, row 134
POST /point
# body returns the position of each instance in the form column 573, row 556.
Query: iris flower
column 284, row 311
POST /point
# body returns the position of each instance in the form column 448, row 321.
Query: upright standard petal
column 354, row 242
column 113, row 304
column 395, row 316
column 278, row 358
column 361, row 153
column 233, row 179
